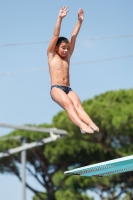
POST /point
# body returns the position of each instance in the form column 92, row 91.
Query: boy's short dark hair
column 62, row 39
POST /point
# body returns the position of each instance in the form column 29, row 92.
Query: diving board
column 116, row 166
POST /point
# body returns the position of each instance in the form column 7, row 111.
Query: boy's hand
column 80, row 14
column 63, row 11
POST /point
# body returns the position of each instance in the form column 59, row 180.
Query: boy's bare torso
column 59, row 70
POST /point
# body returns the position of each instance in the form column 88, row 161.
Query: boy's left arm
column 76, row 30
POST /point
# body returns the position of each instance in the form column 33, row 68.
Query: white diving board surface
column 116, row 166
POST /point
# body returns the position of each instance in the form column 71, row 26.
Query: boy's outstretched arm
column 52, row 44
column 76, row 30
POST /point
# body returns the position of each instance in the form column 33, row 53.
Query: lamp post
column 23, row 174
column 54, row 135
column 23, row 161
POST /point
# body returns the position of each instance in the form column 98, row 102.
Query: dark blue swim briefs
column 64, row 88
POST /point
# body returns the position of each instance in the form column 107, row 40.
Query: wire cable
column 87, row 38
column 22, row 71
column 108, row 37
column 73, row 64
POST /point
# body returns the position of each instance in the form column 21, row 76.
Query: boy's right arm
column 52, row 44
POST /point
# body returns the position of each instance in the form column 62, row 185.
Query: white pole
column 23, row 177
column 28, row 146
column 38, row 129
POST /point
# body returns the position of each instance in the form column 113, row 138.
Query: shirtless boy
column 59, row 53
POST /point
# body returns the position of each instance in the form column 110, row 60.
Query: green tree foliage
column 112, row 112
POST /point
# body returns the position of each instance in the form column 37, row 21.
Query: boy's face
column 63, row 49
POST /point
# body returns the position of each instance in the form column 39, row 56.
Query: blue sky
column 99, row 63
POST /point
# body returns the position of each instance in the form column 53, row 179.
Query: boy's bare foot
column 94, row 127
column 86, row 129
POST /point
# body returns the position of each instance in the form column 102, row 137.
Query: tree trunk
column 51, row 195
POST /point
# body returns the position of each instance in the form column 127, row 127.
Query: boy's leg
column 61, row 98
column 81, row 112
